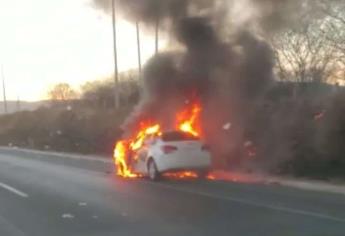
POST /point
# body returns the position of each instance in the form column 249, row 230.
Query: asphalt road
column 42, row 195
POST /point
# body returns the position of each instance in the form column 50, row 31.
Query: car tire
column 152, row 170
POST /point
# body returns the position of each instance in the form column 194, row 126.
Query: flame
column 188, row 120
column 138, row 143
column 124, row 147
column 120, row 157
column 211, row 177
column 181, row 175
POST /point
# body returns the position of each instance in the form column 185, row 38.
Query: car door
column 142, row 155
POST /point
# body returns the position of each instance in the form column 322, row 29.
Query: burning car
column 170, row 152
column 153, row 152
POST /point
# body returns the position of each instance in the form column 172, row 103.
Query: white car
column 172, row 151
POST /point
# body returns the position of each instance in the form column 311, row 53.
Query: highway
column 43, row 195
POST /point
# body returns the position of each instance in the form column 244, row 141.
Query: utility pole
column 116, row 72
column 157, row 35
column 4, row 88
column 139, row 49
column 18, row 103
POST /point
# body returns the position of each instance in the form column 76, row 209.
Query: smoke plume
column 224, row 62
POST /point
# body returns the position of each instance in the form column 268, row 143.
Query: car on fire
column 171, row 152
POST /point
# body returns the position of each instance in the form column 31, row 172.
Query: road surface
column 43, row 195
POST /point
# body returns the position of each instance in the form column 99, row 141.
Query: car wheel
column 152, row 170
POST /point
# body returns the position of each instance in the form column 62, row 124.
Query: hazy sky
column 43, row 42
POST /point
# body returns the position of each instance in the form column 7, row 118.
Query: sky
column 44, row 42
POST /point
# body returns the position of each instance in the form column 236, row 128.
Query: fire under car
column 170, row 152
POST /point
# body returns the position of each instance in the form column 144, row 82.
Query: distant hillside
column 13, row 106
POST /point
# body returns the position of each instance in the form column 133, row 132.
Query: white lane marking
column 67, row 216
column 13, row 190
column 82, row 204
column 255, row 204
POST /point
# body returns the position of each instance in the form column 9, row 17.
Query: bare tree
column 304, row 55
column 100, row 93
column 62, row 92
column 334, row 12
column 315, row 49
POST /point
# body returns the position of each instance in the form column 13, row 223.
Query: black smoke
column 225, row 73
column 224, row 62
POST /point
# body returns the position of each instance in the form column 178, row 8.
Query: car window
column 177, row 136
column 150, row 140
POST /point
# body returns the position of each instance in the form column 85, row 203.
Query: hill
column 14, row 106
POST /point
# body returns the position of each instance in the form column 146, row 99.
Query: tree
column 334, row 12
column 101, row 93
column 314, row 50
column 62, row 92
column 305, row 53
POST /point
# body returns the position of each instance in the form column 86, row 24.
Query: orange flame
column 120, row 157
column 138, row 142
column 188, row 120
column 181, row 175
column 124, row 147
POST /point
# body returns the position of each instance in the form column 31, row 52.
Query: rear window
column 177, row 136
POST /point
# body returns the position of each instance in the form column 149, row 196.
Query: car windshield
column 178, row 136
